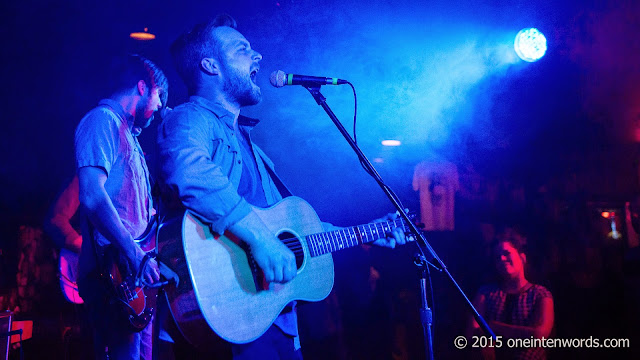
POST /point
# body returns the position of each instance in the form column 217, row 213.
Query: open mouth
column 253, row 74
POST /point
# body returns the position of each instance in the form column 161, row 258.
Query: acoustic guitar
column 221, row 293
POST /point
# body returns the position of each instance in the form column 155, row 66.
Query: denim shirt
column 201, row 163
column 201, row 166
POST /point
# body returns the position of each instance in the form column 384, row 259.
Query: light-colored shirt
column 437, row 182
column 103, row 139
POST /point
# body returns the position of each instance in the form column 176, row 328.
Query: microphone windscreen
column 277, row 78
column 164, row 112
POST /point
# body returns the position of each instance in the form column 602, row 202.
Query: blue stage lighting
column 530, row 44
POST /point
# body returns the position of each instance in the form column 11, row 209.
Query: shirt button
column 239, row 161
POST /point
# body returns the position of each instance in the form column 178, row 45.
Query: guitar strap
column 284, row 191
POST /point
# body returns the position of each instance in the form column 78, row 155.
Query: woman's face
column 509, row 262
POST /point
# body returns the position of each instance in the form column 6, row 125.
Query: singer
column 210, row 166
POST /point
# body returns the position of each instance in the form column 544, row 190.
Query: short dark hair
column 519, row 241
column 126, row 71
column 191, row 47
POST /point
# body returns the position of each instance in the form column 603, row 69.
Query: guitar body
column 221, row 292
column 68, row 274
column 135, row 305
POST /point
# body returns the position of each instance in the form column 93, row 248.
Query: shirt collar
column 118, row 110
column 223, row 114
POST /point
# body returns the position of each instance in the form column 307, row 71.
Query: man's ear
column 210, row 66
column 142, row 87
column 523, row 256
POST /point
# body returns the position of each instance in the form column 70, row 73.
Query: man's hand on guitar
column 150, row 273
column 277, row 262
column 394, row 237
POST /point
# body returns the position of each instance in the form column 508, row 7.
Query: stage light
column 142, row 36
column 391, row 142
column 530, row 44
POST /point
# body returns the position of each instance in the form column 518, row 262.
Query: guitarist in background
column 63, row 226
column 115, row 199
column 210, row 165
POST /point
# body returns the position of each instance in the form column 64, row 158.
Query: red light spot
column 606, row 214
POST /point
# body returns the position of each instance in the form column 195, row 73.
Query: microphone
column 162, row 113
column 279, row 79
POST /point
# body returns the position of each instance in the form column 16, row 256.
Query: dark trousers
column 112, row 339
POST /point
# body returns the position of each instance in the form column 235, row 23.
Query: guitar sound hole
column 293, row 243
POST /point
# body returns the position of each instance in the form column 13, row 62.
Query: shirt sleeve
column 542, row 292
column 186, row 145
column 97, row 140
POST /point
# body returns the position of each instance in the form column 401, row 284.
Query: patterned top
column 515, row 309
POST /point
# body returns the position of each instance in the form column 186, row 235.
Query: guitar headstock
column 412, row 217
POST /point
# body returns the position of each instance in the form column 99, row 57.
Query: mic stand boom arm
column 422, row 242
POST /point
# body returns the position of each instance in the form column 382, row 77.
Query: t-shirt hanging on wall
column 437, row 183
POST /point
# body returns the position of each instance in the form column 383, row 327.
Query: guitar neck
column 328, row 242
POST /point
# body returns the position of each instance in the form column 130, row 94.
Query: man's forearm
column 104, row 217
column 515, row 331
column 59, row 227
column 251, row 229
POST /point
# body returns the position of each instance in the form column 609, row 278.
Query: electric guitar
column 221, row 292
column 134, row 301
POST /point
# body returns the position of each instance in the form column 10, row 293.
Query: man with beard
column 115, row 197
column 210, row 166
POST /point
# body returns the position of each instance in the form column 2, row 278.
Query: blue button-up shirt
column 201, row 163
column 201, row 167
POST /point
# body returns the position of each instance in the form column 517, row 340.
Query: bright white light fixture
column 391, row 142
column 530, row 44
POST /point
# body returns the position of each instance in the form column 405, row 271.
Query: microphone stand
column 420, row 261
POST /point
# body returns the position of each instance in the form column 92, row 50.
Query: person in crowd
column 514, row 307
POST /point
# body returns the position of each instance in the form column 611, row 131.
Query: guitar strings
column 295, row 245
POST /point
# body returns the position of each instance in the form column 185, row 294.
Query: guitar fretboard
column 323, row 243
